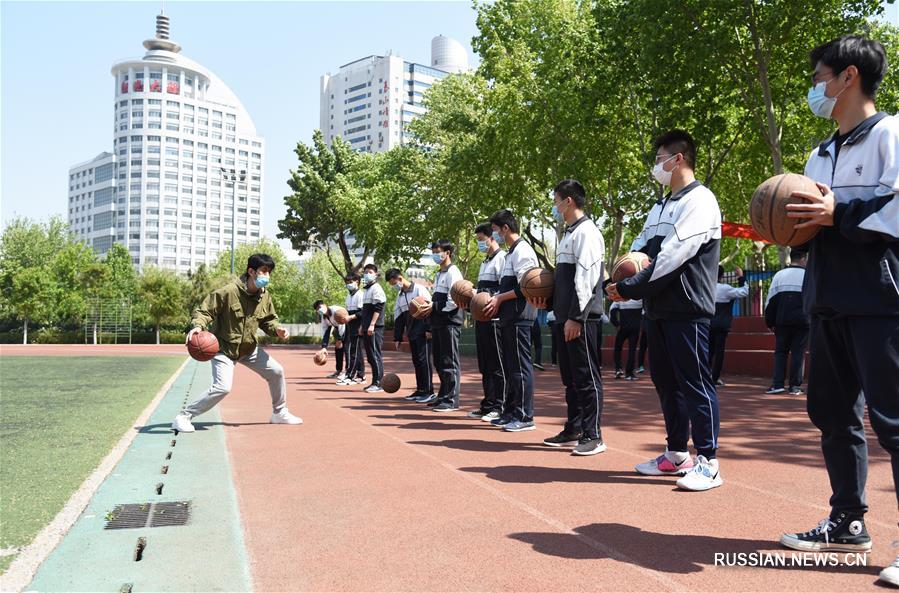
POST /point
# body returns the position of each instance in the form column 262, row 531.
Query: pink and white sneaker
column 663, row 466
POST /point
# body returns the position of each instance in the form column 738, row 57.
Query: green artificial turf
column 59, row 416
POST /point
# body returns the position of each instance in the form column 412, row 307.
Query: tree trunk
column 95, row 333
column 25, row 332
column 157, row 334
column 617, row 238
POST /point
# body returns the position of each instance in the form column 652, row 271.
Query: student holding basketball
column 516, row 316
column 233, row 313
column 487, row 333
column 446, row 321
column 577, row 303
column 415, row 329
column 851, row 286
column 329, row 323
column 681, row 237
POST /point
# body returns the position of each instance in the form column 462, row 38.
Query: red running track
column 374, row 493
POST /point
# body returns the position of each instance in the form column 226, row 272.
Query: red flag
column 741, row 231
column 124, row 87
column 172, row 87
column 138, row 86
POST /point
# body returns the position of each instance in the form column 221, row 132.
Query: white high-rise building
column 176, row 125
column 370, row 102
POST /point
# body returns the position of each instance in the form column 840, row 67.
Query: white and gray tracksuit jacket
column 853, row 266
column 579, row 272
column 682, row 237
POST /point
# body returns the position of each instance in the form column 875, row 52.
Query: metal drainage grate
column 148, row 514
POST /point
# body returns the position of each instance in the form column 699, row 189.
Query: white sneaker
column 704, row 476
column 665, row 465
column 285, row 417
column 890, row 574
column 182, row 423
column 490, row 416
column 344, row 381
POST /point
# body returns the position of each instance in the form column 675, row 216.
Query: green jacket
column 233, row 315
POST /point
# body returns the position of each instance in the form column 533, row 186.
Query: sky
column 56, row 90
column 57, row 95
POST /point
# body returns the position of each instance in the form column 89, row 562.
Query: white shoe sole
column 274, row 421
column 176, row 429
column 889, row 576
column 525, row 429
column 559, row 445
column 595, row 451
column 485, row 419
column 435, row 409
column 798, row 544
column 657, row 472
column 701, row 487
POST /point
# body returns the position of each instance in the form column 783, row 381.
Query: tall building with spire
column 176, row 126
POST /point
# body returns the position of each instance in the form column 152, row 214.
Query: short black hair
column 257, row 260
column 392, row 274
column 372, row 267
column 503, row 218
column 354, row 277
column 317, row 303
column 678, row 141
column 443, row 245
column 484, row 228
column 571, row 188
column 865, row 54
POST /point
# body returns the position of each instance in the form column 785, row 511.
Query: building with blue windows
column 371, row 101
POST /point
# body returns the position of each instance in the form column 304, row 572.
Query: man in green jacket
column 233, row 313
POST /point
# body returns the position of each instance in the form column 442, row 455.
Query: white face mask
column 660, row 174
column 818, row 101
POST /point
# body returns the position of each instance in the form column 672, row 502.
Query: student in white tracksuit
column 725, row 295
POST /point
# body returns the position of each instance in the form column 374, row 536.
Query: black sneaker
column 619, row 374
column 563, row 439
column 630, row 378
column 775, row 390
column 413, row 396
column 435, row 403
column 795, row 390
column 477, row 414
column 641, row 369
column 445, row 407
column 720, row 383
column 843, row 533
column 427, row 399
column 588, row 446
column 539, row 366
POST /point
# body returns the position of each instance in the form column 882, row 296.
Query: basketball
column 390, row 383
column 477, row 306
column 538, row 284
column 320, row 358
column 768, row 213
column 340, row 315
column 628, row 265
column 461, row 293
column 203, row 346
column 420, row 307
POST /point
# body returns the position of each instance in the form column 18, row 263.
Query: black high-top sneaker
column 842, row 533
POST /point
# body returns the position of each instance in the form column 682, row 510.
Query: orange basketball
column 203, row 346
column 461, row 293
column 320, row 358
column 420, row 307
column 477, row 304
column 768, row 213
column 628, row 265
column 391, row 383
column 538, row 284
column 340, row 315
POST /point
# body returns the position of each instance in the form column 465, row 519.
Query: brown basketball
column 320, row 358
column 461, row 293
column 391, row 383
column 477, row 306
column 420, row 307
column 537, row 284
column 340, row 315
column 768, row 212
column 203, row 346
column 628, row 265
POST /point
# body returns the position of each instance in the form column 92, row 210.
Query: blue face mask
column 437, row 257
column 820, row 104
column 368, row 278
column 397, row 287
column 556, row 215
column 498, row 238
column 261, row 281
column 482, row 246
column 351, row 287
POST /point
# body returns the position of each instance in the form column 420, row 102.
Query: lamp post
column 233, row 176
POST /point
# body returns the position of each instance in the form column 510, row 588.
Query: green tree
column 198, row 286
column 162, row 297
column 121, row 279
column 317, row 280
